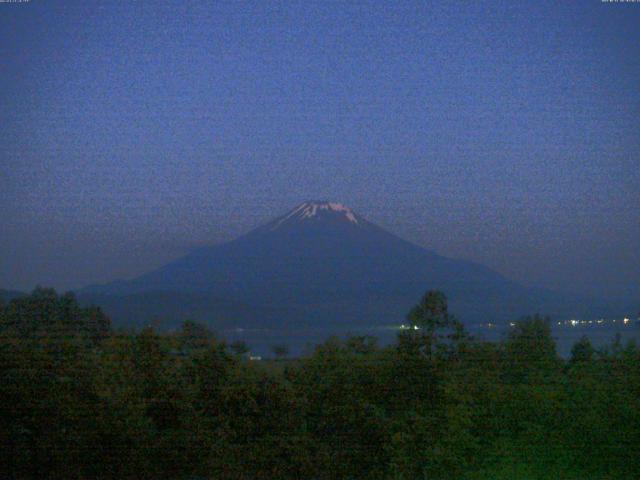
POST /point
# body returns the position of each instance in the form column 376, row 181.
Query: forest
column 80, row 399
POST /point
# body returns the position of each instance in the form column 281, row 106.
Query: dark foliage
column 78, row 400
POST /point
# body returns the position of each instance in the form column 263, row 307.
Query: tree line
column 79, row 399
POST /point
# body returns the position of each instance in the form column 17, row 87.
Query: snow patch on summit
column 311, row 209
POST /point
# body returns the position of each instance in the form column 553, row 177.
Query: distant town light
column 625, row 320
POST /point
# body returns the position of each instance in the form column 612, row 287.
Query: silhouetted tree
column 44, row 310
column 531, row 350
column 432, row 328
column 582, row 350
column 194, row 335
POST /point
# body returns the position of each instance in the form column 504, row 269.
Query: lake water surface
column 302, row 340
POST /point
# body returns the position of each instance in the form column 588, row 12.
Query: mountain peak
column 315, row 209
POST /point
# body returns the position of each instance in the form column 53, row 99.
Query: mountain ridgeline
column 321, row 265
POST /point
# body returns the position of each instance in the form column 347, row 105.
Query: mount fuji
column 320, row 264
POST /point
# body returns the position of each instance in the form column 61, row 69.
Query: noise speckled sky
column 503, row 132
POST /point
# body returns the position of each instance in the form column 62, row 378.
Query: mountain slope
column 165, row 310
column 322, row 264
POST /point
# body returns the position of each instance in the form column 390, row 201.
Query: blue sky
column 502, row 132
